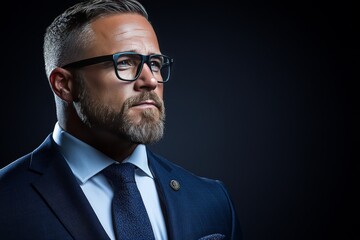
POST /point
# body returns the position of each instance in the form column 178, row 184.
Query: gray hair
column 69, row 33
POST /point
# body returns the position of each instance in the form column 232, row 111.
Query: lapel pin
column 175, row 185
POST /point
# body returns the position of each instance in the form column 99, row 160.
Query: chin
column 149, row 114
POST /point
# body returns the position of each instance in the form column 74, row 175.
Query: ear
column 61, row 81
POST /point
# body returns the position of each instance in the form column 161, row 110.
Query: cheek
column 114, row 93
column 103, row 86
column 116, row 96
column 107, row 96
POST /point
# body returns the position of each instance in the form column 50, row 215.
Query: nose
column 146, row 81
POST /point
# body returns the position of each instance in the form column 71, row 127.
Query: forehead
column 123, row 32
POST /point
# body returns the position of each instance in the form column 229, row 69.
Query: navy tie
column 129, row 215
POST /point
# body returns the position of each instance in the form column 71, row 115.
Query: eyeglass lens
column 130, row 65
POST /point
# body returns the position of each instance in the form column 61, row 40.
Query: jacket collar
column 167, row 182
column 59, row 189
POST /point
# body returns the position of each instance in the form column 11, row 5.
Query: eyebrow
column 136, row 51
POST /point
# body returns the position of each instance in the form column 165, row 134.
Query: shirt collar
column 86, row 161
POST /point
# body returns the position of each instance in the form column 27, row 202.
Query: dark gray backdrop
column 263, row 97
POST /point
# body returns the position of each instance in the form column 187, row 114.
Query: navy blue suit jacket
column 41, row 199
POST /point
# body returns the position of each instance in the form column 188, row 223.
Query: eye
column 156, row 64
column 126, row 62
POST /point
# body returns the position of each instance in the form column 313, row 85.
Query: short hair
column 69, row 33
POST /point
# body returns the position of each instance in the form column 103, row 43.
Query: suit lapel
column 60, row 190
column 164, row 176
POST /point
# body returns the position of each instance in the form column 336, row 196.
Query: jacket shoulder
column 18, row 169
column 12, row 171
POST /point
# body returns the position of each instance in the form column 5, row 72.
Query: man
column 107, row 73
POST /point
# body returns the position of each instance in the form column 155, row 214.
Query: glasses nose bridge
column 146, row 59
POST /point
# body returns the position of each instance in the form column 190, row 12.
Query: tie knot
column 120, row 173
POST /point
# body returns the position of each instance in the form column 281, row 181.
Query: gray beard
column 96, row 114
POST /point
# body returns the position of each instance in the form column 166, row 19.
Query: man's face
column 130, row 110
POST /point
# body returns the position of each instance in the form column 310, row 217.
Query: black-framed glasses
column 128, row 65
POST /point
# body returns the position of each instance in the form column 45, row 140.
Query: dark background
column 263, row 97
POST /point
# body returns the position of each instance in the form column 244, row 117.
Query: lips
column 146, row 102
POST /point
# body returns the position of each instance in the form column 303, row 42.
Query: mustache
column 144, row 96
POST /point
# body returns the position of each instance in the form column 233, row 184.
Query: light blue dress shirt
column 87, row 162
